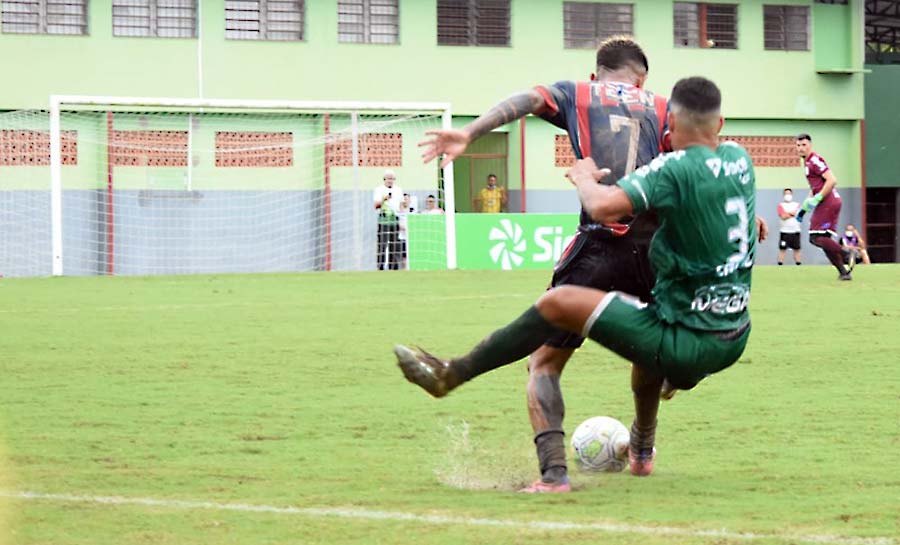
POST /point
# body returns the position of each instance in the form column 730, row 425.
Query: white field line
column 203, row 306
column 369, row 514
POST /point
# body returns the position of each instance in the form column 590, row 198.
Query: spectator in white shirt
column 790, row 227
column 388, row 198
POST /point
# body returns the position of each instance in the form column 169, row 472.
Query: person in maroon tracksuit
column 825, row 204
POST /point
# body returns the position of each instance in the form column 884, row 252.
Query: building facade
column 784, row 68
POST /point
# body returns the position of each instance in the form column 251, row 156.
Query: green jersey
column 706, row 242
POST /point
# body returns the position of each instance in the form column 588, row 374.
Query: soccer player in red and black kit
column 621, row 126
column 825, row 202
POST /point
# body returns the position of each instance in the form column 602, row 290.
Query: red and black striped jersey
column 621, row 126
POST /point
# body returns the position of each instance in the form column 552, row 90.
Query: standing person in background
column 825, row 204
column 790, row 227
column 491, row 199
column 431, row 206
column 388, row 199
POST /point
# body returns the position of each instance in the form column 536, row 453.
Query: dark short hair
column 804, row 136
column 618, row 52
column 697, row 95
column 787, row 189
column 430, row 197
column 492, row 175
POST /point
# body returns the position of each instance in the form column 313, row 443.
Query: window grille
column 705, row 25
column 155, row 18
column 368, row 21
column 44, row 17
column 786, row 27
column 264, row 20
column 586, row 24
column 473, row 22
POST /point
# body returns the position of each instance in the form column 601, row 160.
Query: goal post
column 159, row 171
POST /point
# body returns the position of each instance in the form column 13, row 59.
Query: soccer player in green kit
column 704, row 194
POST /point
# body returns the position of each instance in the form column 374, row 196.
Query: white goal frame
column 57, row 103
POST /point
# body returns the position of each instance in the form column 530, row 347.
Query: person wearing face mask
column 790, row 227
column 854, row 246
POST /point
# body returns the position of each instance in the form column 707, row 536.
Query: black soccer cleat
column 426, row 371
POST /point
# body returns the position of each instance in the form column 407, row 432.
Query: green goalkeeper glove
column 809, row 204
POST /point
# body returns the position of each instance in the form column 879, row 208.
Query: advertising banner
column 493, row 241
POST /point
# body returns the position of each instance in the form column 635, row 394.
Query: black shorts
column 789, row 240
column 605, row 264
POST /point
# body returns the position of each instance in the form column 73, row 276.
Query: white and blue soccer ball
column 601, row 444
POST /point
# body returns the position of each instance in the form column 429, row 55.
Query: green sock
column 504, row 346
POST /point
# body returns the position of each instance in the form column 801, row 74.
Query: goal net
column 102, row 185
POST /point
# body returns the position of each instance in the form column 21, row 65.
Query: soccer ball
column 601, row 444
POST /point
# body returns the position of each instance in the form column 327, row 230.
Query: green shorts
column 683, row 355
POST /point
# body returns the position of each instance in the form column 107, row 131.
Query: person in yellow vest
column 491, row 199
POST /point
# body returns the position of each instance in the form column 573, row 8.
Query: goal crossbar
column 58, row 102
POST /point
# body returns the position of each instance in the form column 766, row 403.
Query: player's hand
column 586, row 169
column 451, row 144
column 762, row 229
column 809, row 204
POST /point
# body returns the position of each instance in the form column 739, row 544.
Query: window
column 375, row 150
column 786, row 27
column 564, row 155
column 44, row 17
column 254, row 149
column 158, row 18
column 705, row 25
column 586, row 24
column 768, row 151
column 148, row 148
column 473, row 22
column 32, row 148
column 368, row 21
column 264, row 20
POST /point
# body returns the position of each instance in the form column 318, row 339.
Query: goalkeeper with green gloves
column 825, row 205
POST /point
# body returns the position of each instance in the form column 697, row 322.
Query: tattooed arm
column 452, row 143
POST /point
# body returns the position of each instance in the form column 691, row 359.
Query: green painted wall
column 765, row 92
column 883, row 126
column 756, row 83
column 832, row 36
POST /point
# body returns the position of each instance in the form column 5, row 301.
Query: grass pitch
column 281, row 390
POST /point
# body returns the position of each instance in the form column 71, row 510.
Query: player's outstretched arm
column 452, row 143
column 604, row 203
column 762, row 229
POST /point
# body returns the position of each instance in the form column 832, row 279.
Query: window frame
column 473, row 33
column 682, row 38
column 44, row 13
column 264, row 22
column 366, row 22
column 785, row 31
column 599, row 34
column 153, row 19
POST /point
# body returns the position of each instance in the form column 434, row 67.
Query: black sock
column 551, row 450
column 780, row 263
column 642, row 438
column 515, row 341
